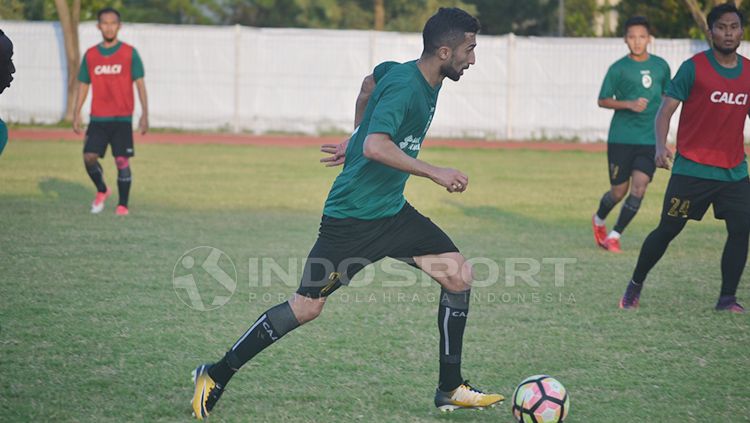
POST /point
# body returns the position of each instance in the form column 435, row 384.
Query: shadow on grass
column 67, row 191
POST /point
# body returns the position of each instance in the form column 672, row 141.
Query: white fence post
column 236, row 94
column 509, row 87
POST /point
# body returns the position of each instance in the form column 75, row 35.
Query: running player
column 110, row 68
column 367, row 218
column 710, row 167
column 633, row 88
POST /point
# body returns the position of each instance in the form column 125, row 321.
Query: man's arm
column 83, row 91
column 637, row 106
column 368, row 86
column 664, row 156
column 140, row 84
column 381, row 148
column 338, row 151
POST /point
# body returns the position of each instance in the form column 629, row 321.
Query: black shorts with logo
column 346, row 246
column 623, row 159
column 688, row 197
column 100, row 134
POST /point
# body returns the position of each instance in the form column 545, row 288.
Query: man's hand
column 452, row 179
column 77, row 124
column 638, row 105
column 143, row 124
column 337, row 153
column 663, row 157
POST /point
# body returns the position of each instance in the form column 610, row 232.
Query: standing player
column 7, row 69
column 110, row 68
column 366, row 218
column 710, row 167
column 633, row 88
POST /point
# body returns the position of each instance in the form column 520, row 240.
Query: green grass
column 91, row 328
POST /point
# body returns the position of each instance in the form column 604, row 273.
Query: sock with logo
column 627, row 213
column 95, row 173
column 269, row 328
column 734, row 257
column 606, row 204
column 452, row 313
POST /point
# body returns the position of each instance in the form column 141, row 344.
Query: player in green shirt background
column 633, row 88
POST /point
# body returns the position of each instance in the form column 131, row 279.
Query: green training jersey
column 401, row 106
column 679, row 89
column 628, row 80
column 3, row 136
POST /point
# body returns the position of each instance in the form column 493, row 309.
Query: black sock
column 735, row 253
column 124, row 178
column 627, row 213
column 97, row 177
column 452, row 313
column 269, row 328
column 606, row 204
column 655, row 245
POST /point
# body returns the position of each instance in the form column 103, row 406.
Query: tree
column 673, row 18
column 69, row 18
column 699, row 13
column 11, row 9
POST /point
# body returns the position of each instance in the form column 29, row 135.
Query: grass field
column 92, row 328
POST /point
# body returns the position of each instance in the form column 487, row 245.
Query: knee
column 461, row 280
column 638, row 190
column 618, row 192
column 122, row 162
column 738, row 225
column 306, row 309
column 90, row 159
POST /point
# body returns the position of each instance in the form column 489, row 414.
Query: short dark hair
column 717, row 12
column 107, row 10
column 447, row 27
column 637, row 21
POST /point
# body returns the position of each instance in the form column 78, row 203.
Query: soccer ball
column 540, row 399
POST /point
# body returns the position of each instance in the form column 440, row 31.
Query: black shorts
column 346, row 246
column 623, row 159
column 100, row 134
column 688, row 197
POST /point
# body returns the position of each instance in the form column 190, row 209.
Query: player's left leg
column 454, row 274
column 124, row 179
column 122, row 149
column 733, row 260
column 638, row 185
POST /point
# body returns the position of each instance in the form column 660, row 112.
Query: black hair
column 717, row 12
column 107, row 10
column 447, row 28
column 637, row 21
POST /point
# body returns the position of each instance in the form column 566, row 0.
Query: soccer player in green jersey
column 632, row 88
column 7, row 69
column 366, row 218
column 710, row 167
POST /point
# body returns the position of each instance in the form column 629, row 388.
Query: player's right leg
column 338, row 240
column 618, row 162
column 211, row 379
column 686, row 198
column 94, row 147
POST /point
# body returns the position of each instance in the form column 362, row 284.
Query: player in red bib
column 110, row 68
column 710, row 166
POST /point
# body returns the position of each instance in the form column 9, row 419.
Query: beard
column 449, row 71
column 109, row 39
column 726, row 50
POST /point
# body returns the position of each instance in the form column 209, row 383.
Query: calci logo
column 737, row 99
column 107, row 69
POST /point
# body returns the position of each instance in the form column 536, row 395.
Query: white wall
column 303, row 80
